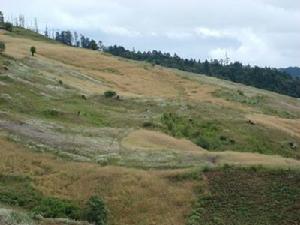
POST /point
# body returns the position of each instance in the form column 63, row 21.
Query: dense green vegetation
column 96, row 211
column 248, row 196
column 294, row 71
column 226, row 135
column 19, row 191
column 264, row 78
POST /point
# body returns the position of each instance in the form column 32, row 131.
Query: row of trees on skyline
column 73, row 39
column 65, row 36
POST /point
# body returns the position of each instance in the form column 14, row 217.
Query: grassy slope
column 39, row 112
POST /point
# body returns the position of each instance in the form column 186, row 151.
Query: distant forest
column 294, row 71
column 265, row 78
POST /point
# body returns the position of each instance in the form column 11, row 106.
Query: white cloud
column 178, row 35
column 121, row 31
column 263, row 32
column 207, row 33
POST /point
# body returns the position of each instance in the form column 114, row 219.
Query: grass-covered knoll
column 248, row 196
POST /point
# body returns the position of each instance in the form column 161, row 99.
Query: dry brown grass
column 290, row 126
column 157, row 141
column 130, row 78
column 133, row 196
column 153, row 140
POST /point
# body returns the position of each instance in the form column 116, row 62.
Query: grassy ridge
column 216, row 128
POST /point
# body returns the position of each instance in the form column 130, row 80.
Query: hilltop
column 162, row 152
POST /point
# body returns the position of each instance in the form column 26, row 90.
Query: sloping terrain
column 57, row 128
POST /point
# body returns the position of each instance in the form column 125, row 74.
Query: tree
column 110, row 94
column 2, row 47
column 33, row 50
column 36, row 26
column 8, row 26
column 66, row 37
column 21, row 21
column 96, row 211
column 77, row 43
column 46, row 33
column 93, row 45
column 100, row 45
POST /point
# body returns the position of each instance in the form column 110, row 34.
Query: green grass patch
column 239, row 96
column 205, row 133
column 228, row 134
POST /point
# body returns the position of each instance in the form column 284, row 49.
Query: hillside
column 153, row 153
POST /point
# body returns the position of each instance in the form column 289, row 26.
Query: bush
column 8, row 26
column 33, row 50
column 202, row 142
column 96, row 211
column 56, row 208
column 148, row 124
column 2, row 47
column 110, row 94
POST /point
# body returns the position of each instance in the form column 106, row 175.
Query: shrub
column 52, row 113
column 148, row 124
column 240, row 92
column 96, row 211
column 202, row 142
column 33, row 50
column 56, row 208
column 8, row 26
column 110, row 94
column 2, row 47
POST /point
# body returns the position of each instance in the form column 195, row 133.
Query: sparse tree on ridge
column 33, row 50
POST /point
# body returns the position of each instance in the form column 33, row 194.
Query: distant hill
column 294, row 71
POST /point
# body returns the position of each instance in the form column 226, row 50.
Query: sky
column 255, row 32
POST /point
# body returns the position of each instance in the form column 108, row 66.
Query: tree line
column 265, row 78
column 73, row 39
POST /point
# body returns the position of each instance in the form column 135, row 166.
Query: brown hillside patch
column 290, row 126
column 154, row 140
column 126, row 77
column 133, row 196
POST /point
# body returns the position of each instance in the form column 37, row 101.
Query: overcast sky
column 260, row 32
